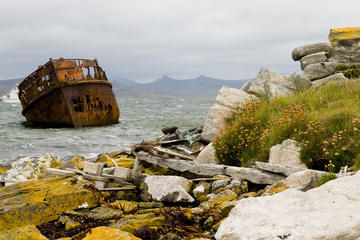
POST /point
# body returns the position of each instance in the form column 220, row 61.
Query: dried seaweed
column 54, row 230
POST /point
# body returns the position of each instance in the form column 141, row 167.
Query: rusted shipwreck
column 69, row 92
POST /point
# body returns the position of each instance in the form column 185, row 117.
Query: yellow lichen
column 276, row 188
column 29, row 232
column 248, row 195
column 343, row 34
column 3, row 170
column 41, row 201
column 122, row 161
column 130, row 223
column 106, row 233
column 79, row 162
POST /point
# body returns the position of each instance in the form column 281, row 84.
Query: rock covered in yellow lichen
column 275, row 188
column 106, row 233
column 37, row 202
column 29, row 232
column 338, row 34
column 29, row 168
column 132, row 222
column 122, row 161
column 79, row 162
column 3, row 170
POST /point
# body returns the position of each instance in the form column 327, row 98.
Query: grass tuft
column 325, row 121
column 324, row 179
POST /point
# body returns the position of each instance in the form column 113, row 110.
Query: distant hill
column 200, row 86
column 121, row 90
column 125, row 81
column 7, row 85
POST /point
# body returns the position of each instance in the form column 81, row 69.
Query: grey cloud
column 143, row 39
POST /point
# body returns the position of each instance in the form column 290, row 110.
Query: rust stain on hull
column 71, row 92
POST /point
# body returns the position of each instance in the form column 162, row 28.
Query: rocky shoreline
column 173, row 187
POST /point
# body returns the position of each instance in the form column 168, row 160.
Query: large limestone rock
column 41, row 201
column 166, row 189
column 303, row 180
column 302, row 51
column 287, row 153
column 338, row 36
column 326, row 212
column 338, row 77
column 313, row 58
column 246, row 86
column 251, row 174
column 301, row 81
column 227, row 100
column 207, row 155
column 320, row 70
column 272, row 84
column 346, row 45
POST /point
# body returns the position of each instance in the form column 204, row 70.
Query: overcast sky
column 145, row 39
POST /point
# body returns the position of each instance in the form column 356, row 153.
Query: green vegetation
column 323, row 179
column 348, row 71
column 325, row 121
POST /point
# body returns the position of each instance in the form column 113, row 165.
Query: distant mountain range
column 201, row 86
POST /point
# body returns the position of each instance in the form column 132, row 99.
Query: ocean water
column 140, row 119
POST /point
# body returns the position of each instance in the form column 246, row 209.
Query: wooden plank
column 59, row 172
column 117, row 189
column 123, row 172
column 251, row 174
column 185, row 150
column 206, row 179
column 93, row 168
column 103, row 177
column 173, row 153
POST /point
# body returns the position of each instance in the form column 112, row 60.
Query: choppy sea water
column 140, row 119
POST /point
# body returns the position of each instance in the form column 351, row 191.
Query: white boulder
column 227, row 100
column 303, row 180
column 320, row 70
column 272, row 84
column 326, row 212
column 287, row 154
column 313, row 58
column 301, row 81
column 30, row 168
column 207, row 155
column 335, row 77
column 166, row 189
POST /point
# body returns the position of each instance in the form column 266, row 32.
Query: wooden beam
column 173, row 153
column 251, row 174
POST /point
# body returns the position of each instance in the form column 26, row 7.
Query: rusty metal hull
column 87, row 103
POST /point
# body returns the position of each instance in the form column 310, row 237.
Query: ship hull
column 77, row 105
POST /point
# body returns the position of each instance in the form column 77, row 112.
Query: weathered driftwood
column 206, row 179
column 93, row 168
column 250, row 174
column 173, row 153
column 59, row 172
column 118, row 189
column 102, row 178
column 172, row 141
column 184, row 149
column 277, row 168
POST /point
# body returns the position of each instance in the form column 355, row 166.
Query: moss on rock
column 37, row 202
column 29, row 232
